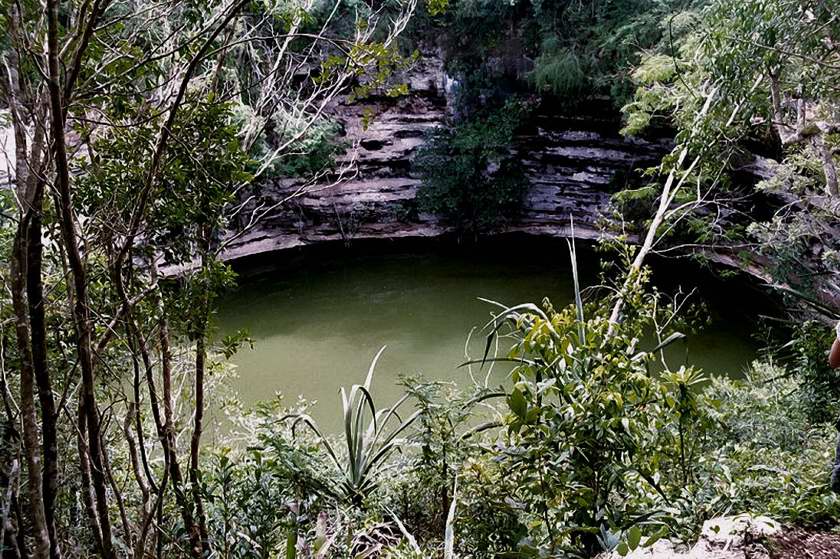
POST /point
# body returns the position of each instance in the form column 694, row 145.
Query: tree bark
column 29, row 415
column 84, row 473
column 168, row 440
column 27, row 302
column 829, row 167
column 195, row 441
column 81, row 311
column 38, row 333
column 198, row 423
column 8, row 537
column 666, row 198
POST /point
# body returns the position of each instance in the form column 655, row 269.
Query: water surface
column 317, row 324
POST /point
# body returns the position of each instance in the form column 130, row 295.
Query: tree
column 772, row 67
column 128, row 156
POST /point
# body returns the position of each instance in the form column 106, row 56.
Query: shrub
column 265, row 489
column 425, row 494
column 471, row 175
column 558, row 71
column 768, row 457
column 450, row 441
column 596, row 442
column 819, row 385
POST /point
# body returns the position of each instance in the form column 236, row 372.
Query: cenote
column 318, row 316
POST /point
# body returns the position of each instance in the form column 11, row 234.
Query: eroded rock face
column 574, row 163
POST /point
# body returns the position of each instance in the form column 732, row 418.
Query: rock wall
column 573, row 164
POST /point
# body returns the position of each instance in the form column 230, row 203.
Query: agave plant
column 370, row 436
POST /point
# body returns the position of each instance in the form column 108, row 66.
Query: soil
column 796, row 543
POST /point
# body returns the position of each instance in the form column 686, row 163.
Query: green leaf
column 656, row 536
column 634, row 536
column 517, row 403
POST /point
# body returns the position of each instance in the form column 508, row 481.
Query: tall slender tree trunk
column 195, row 441
column 196, row 545
column 10, row 472
column 79, row 279
column 8, row 539
column 666, row 198
column 198, row 425
column 29, row 415
column 26, row 291
column 84, row 473
column 167, row 429
column 38, row 333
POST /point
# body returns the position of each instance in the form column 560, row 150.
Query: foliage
column 311, row 150
column 594, row 439
column 450, row 439
column 116, row 253
column 769, row 457
column 368, row 446
column 765, row 73
column 558, row 71
column 472, row 177
column 268, row 489
column 818, row 383
column 579, row 49
column 425, row 495
column 197, row 183
column 595, row 449
column 251, row 501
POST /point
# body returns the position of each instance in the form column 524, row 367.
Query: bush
column 450, row 443
column 819, row 385
column 768, row 457
column 558, row 71
column 597, row 444
column 471, row 175
column 265, row 490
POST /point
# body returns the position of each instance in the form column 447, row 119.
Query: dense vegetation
column 471, row 175
column 143, row 134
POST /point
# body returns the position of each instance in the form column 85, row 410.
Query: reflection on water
column 317, row 327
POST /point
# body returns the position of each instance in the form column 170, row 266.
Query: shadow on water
column 318, row 316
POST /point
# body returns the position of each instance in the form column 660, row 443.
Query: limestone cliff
column 573, row 164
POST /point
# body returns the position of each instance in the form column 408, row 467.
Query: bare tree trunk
column 27, row 293
column 79, row 277
column 29, row 415
column 195, row 441
column 196, row 546
column 38, row 333
column 168, row 431
column 150, row 506
column 12, row 536
column 134, row 455
column 198, row 426
column 128, row 532
column 84, row 472
column 829, row 167
column 8, row 534
column 666, row 198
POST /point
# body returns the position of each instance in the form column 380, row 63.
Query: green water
column 317, row 325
